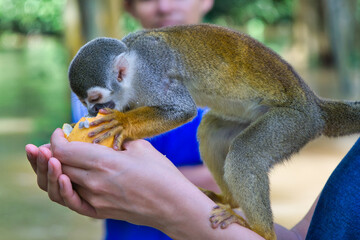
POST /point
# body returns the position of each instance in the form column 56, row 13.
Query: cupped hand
column 133, row 185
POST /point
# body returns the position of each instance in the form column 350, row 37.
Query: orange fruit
column 81, row 134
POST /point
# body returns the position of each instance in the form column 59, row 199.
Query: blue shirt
column 179, row 145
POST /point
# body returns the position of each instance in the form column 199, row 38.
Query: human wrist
column 187, row 214
column 187, row 218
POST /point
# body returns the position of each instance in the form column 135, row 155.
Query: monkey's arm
column 139, row 123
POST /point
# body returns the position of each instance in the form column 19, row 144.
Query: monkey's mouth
column 95, row 109
column 126, row 109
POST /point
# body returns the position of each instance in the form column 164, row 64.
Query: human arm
column 200, row 176
column 141, row 186
column 299, row 231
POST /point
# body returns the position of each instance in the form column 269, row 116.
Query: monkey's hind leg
column 217, row 198
column 216, row 135
column 223, row 215
column 269, row 140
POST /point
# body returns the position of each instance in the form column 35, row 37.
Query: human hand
column 138, row 185
column 47, row 170
column 131, row 185
column 38, row 158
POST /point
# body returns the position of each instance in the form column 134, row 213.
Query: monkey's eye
column 95, row 98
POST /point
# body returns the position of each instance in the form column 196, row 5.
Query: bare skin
column 161, row 13
column 123, row 189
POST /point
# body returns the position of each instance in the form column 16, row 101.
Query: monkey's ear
column 121, row 66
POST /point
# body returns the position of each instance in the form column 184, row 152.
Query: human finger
column 77, row 175
column 76, row 154
column 72, row 199
column 136, row 146
column 31, row 154
column 43, row 157
column 54, row 171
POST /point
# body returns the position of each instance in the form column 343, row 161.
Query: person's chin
column 167, row 23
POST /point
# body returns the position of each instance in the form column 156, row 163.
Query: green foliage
column 31, row 16
column 129, row 24
column 45, row 16
column 269, row 21
column 238, row 12
column 34, row 85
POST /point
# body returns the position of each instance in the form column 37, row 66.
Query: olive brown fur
column 260, row 110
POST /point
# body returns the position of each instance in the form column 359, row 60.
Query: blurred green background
column 39, row 37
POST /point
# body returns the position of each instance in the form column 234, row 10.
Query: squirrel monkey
column 261, row 111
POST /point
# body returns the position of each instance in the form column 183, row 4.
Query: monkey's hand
column 224, row 215
column 113, row 124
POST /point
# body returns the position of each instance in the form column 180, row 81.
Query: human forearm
column 138, row 185
column 187, row 217
column 200, row 176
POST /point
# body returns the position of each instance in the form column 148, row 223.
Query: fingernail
column 50, row 168
column 41, row 157
column 61, row 186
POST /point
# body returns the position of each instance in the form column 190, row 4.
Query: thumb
column 57, row 138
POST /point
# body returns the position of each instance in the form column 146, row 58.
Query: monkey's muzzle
column 95, row 109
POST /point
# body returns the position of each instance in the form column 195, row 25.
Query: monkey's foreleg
column 138, row 123
column 271, row 139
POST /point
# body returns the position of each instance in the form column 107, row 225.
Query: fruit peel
column 80, row 133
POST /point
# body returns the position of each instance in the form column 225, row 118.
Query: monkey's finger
column 106, row 118
column 103, row 127
column 111, row 132
column 106, row 110
column 118, row 141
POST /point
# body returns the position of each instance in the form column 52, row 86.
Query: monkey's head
column 99, row 75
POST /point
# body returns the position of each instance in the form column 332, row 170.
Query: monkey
column 260, row 110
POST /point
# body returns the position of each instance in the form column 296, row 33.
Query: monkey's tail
column 341, row 117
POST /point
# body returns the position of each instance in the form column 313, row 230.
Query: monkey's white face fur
column 118, row 92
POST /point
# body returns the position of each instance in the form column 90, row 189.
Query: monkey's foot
column 217, row 198
column 224, row 215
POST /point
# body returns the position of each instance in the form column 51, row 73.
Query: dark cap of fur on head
column 92, row 64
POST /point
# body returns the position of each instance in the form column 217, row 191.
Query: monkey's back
column 233, row 62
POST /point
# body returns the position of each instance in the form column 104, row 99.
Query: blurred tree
column 88, row 19
column 310, row 35
column 31, row 16
column 325, row 33
column 341, row 22
column 269, row 21
column 239, row 12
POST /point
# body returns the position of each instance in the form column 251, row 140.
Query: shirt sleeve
column 78, row 110
column 181, row 145
column 337, row 212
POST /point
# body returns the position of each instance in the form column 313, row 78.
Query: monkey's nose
column 95, row 109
